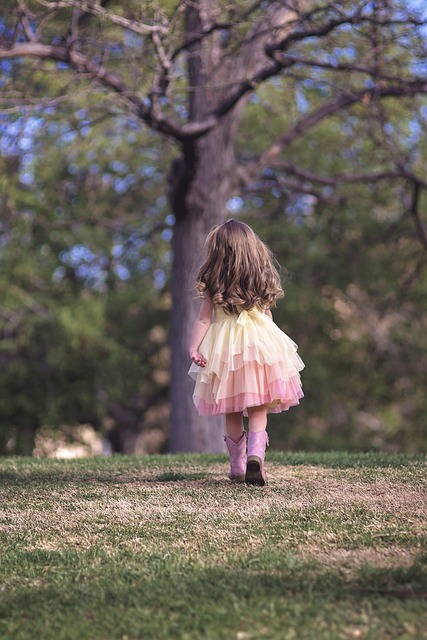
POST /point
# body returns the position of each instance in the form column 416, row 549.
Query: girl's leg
column 257, row 419
column 234, row 425
column 236, row 445
column 257, row 442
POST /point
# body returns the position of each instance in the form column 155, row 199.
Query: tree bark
column 197, row 208
column 201, row 181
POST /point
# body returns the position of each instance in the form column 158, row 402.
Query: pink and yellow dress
column 250, row 362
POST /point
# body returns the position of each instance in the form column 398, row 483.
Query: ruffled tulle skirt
column 250, row 362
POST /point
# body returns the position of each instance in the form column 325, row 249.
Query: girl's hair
column 239, row 271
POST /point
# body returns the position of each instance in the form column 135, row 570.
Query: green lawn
column 165, row 547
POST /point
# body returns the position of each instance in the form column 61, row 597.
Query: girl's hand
column 198, row 359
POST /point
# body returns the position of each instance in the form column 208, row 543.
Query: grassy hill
column 165, row 547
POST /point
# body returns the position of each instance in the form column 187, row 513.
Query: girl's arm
column 199, row 331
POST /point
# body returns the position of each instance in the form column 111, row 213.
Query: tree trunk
column 201, row 181
column 208, row 177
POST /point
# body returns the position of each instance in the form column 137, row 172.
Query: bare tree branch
column 164, row 73
column 36, row 50
column 149, row 110
column 74, row 28
column 292, row 186
column 358, row 17
column 413, row 178
column 25, row 21
column 334, row 181
column 97, row 71
column 276, row 66
column 19, row 101
column 293, row 60
column 99, row 10
column 341, row 102
column 306, row 179
column 421, row 232
column 208, row 30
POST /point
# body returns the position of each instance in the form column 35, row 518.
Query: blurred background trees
column 134, row 132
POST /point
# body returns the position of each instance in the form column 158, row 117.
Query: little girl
column 243, row 364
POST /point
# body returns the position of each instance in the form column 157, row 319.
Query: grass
column 165, row 547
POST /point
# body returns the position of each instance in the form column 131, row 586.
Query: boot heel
column 255, row 472
column 257, row 442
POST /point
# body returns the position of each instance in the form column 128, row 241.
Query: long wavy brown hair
column 240, row 271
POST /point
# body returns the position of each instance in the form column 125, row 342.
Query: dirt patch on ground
column 315, row 512
column 316, row 486
column 352, row 559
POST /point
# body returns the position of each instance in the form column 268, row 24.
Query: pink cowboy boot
column 237, row 452
column 255, row 473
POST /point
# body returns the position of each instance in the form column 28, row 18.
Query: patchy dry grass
column 166, row 547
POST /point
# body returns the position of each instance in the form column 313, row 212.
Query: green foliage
column 356, row 285
column 85, row 231
column 83, row 266
column 359, row 327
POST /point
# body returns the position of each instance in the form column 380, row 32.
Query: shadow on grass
column 269, row 572
column 18, row 479
column 176, row 476
column 156, row 593
column 345, row 460
column 175, row 468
